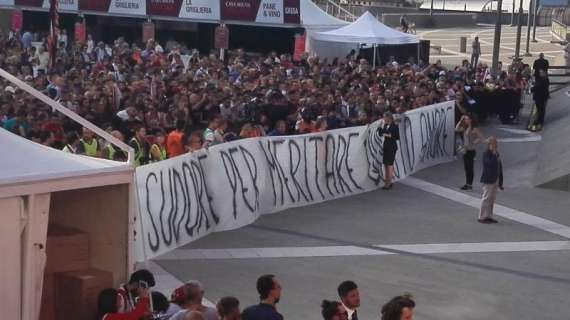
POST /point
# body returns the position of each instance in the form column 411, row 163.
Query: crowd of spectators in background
column 168, row 100
column 136, row 301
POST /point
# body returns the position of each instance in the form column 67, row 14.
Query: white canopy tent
column 38, row 185
column 314, row 20
column 367, row 30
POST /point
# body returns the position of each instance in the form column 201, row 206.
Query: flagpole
column 54, row 27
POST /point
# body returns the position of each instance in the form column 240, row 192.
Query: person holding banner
column 471, row 135
column 391, row 133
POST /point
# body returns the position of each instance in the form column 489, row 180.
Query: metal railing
column 336, row 9
column 74, row 116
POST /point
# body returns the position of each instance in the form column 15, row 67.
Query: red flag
column 54, row 29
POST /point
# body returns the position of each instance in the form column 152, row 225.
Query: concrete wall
column 442, row 18
column 437, row 20
column 491, row 18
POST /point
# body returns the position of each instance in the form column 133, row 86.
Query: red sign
column 244, row 10
column 291, row 11
column 80, row 34
column 94, row 5
column 222, row 38
column 169, row 8
column 29, row 3
column 299, row 46
column 17, row 20
column 148, row 31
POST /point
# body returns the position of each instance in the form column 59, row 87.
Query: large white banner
column 232, row 184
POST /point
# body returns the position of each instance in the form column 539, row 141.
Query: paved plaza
column 422, row 237
column 448, row 39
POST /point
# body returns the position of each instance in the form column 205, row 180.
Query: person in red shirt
column 129, row 293
column 109, row 303
column 175, row 140
column 54, row 125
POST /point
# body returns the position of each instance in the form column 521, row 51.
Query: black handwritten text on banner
column 232, row 184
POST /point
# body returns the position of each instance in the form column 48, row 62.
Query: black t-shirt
column 540, row 64
column 261, row 311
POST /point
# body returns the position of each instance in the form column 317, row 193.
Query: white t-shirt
column 123, row 115
column 43, row 59
column 209, row 314
column 173, row 308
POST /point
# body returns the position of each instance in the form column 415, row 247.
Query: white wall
column 10, row 264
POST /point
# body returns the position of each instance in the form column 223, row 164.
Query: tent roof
column 313, row 17
column 367, row 29
column 25, row 161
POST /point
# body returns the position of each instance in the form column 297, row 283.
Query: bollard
column 463, row 44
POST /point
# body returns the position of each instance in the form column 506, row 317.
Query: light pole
column 519, row 29
column 513, row 15
column 497, row 39
column 535, row 10
column 431, row 8
column 528, row 22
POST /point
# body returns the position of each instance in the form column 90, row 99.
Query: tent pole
column 418, row 60
column 374, row 58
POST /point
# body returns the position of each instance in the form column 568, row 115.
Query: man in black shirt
column 540, row 64
column 269, row 293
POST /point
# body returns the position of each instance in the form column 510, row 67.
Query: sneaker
column 491, row 220
column 485, row 221
column 467, row 187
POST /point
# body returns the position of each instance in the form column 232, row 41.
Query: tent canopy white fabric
column 367, row 29
column 313, row 17
column 26, row 161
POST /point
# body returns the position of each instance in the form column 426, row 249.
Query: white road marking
column 500, row 210
column 525, row 139
column 340, row 251
column 517, row 131
column 526, row 136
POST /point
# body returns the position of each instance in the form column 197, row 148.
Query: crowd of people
column 168, row 100
column 136, row 301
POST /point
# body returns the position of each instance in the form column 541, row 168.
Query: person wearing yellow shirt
column 158, row 148
column 88, row 144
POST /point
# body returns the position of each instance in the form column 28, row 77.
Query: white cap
column 10, row 89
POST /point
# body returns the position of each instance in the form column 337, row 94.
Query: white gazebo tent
column 367, row 30
column 41, row 185
column 314, row 20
